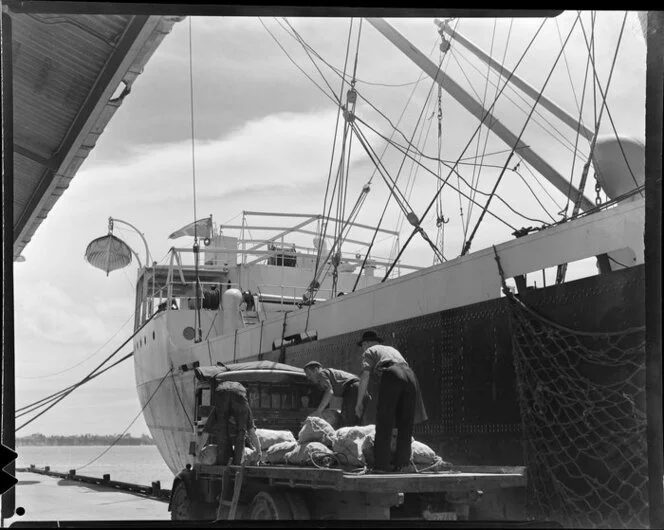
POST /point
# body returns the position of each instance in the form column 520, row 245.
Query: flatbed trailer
column 293, row 492
column 281, row 397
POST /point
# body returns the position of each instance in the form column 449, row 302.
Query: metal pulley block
column 351, row 96
column 349, row 116
column 444, row 44
column 413, row 219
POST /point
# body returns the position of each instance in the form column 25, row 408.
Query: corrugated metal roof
column 66, row 69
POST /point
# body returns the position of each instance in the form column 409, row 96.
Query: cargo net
column 582, row 401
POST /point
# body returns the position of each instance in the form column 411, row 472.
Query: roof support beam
column 476, row 109
column 49, row 163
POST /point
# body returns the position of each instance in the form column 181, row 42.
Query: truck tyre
column 297, row 506
column 268, row 505
column 184, row 509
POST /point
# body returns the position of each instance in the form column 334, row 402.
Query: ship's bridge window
column 285, row 255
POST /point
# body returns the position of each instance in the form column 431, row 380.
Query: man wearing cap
column 399, row 403
column 231, row 402
column 336, row 383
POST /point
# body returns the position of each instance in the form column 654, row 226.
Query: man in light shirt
column 336, row 383
column 399, row 403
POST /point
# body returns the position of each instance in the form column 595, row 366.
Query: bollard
column 47, row 468
column 156, row 488
column 106, row 479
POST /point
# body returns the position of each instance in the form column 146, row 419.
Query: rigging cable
column 562, row 268
column 325, row 220
column 468, row 144
column 84, row 380
column 578, row 132
column 387, row 202
column 475, row 183
column 48, row 399
column 523, row 129
column 544, row 123
column 604, row 93
column 128, row 426
column 196, row 247
column 97, row 351
column 297, row 65
column 453, row 170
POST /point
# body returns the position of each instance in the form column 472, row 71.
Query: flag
column 202, row 227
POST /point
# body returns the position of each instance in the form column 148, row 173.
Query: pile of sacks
column 350, row 446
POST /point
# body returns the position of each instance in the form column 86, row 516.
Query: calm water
column 140, row 464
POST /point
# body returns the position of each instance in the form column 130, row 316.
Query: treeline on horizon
column 83, row 439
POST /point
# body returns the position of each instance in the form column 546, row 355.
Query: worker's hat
column 313, row 364
column 369, row 336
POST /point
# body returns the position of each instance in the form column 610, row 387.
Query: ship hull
column 462, row 356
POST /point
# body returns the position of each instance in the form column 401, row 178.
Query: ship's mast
column 475, row 108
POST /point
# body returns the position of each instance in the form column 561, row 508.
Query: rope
column 84, row 380
column 128, row 426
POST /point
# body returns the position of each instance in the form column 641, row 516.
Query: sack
column 269, row 437
column 358, row 431
column 331, row 416
column 302, row 453
column 422, row 454
column 275, row 454
column 316, row 429
column 250, row 456
column 349, row 451
column 208, row 455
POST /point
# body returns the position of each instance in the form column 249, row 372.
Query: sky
column 263, row 137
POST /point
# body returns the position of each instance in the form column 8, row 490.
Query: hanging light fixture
column 109, row 252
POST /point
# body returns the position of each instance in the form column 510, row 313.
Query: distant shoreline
column 40, row 440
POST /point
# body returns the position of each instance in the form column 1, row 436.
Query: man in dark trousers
column 336, row 383
column 399, row 400
column 231, row 402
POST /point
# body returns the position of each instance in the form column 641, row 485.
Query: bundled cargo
column 269, row 437
column 302, row 454
column 316, row 429
column 276, row 453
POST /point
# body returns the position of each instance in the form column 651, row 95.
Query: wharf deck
column 47, row 498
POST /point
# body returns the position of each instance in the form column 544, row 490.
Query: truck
column 281, row 397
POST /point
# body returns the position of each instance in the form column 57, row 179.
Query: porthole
column 189, row 333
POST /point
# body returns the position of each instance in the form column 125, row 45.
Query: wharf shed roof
column 69, row 74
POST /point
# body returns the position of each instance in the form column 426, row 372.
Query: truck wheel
column 181, row 506
column 269, row 506
column 297, row 506
column 184, row 509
